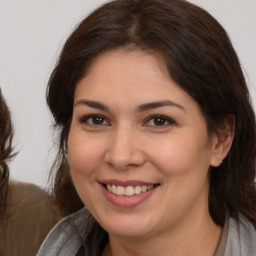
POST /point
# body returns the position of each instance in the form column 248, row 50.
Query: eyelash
column 92, row 120
column 167, row 121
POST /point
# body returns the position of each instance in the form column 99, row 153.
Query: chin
column 131, row 233
column 128, row 227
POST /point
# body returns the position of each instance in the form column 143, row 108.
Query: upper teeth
column 128, row 191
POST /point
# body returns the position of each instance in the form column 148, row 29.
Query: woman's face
column 138, row 147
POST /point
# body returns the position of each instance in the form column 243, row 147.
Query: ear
column 222, row 141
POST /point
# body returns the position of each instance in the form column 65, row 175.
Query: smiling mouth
column 128, row 190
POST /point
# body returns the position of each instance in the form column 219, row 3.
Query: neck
column 196, row 236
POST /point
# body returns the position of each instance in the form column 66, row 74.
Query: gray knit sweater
column 65, row 239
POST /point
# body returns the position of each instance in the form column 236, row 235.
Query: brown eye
column 159, row 121
column 97, row 120
column 94, row 120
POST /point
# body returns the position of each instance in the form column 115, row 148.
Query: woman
column 26, row 214
column 157, row 136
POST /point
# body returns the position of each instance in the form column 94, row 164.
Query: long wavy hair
column 199, row 57
column 6, row 151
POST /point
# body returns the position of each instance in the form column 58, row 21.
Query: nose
column 124, row 150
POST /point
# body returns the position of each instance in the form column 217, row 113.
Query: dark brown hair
column 6, row 136
column 199, row 57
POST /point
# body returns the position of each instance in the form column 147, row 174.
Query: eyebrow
column 92, row 104
column 158, row 104
column 141, row 108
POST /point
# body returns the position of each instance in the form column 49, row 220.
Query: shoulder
column 241, row 237
column 29, row 209
column 21, row 189
column 66, row 237
column 30, row 204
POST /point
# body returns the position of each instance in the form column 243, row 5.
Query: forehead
column 125, row 68
column 144, row 59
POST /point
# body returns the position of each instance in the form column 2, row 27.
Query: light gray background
column 31, row 36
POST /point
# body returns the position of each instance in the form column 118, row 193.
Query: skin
column 126, row 141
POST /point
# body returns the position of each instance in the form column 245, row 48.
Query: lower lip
column 127, row 201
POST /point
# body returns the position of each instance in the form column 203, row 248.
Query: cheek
column 84, row 158
column 180, row 154
column 184, row 163
column 84, row 154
